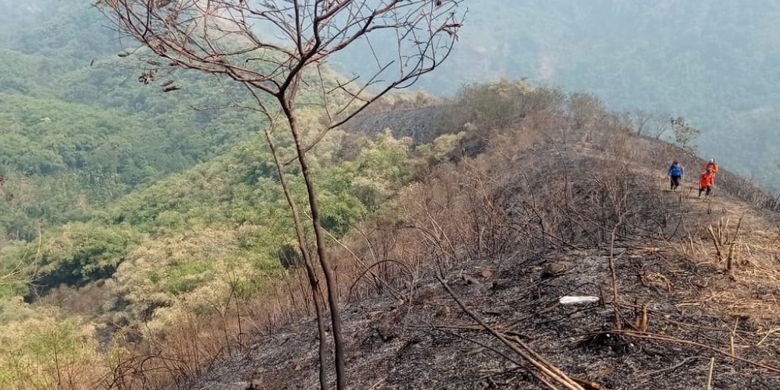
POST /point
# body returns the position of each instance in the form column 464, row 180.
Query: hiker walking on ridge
column 675, row 172
column 706, row 181
column 712, row 167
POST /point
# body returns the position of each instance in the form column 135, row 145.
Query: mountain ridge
column 530, row 222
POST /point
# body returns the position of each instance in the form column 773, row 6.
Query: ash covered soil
column 428, row 343
column 678, row 306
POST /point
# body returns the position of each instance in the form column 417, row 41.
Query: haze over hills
column 140, row 228
column 713, row 62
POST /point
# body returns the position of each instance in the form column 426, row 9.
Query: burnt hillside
column 483, row 249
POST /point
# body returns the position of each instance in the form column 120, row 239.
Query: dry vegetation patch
column 512, row 231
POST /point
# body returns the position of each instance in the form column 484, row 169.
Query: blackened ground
column 423, row 344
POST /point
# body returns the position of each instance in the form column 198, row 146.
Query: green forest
column 80, row 130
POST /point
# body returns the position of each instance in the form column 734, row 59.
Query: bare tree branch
column 274, row 48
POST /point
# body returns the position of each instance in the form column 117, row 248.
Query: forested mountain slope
column 92, row 140
column 78, row 129
column 73, row 30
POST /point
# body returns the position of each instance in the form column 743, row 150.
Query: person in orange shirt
column 712, row 167
column 706, row 180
